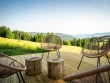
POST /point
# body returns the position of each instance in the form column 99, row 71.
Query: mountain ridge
column 61, row 35
column 90, row 35
column 72, row 36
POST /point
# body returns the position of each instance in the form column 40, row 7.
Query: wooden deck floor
column 71, row 61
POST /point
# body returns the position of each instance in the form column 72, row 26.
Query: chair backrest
column 51, row 42
column 97, row 48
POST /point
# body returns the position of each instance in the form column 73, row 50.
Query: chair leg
column 18, row 77
column 99, row 78
column 58, row 53
column 109, row 76
column 70, row 81
column 80, row 62
column 107, row 58
column 98, row 62
column 1, row 80
column 22, row 77
column 42, row 55
column 48, row 55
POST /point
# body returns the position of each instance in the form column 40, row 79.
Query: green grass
column 18, row 47
column 72, row 49
column 21, row 47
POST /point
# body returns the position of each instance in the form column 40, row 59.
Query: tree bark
column 55, row 68
column 34, row 66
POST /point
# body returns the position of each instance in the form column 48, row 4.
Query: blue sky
column 64, row 16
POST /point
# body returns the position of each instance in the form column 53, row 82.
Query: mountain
column 72, row 36
column 90, row 35
column 64, row 36
column 61, row 35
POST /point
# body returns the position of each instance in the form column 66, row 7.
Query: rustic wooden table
column 34, row 66
column 56, row 68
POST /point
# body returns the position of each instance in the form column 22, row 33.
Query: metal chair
column 52, row 43
column 99, row 74
column 96, row 49
column 10, row 66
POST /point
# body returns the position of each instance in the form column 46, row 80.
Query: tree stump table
column 34, row 66
column 55, row 68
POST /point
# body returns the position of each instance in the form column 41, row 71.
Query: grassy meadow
column 20, row 47
column 72, row 49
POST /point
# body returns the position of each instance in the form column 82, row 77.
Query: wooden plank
column 14, row 79
column 71, row 61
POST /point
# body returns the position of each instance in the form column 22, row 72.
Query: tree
column 21, row 35
column 16, row 34
column 38, row 37
column 25, row 36
column 73, row 42
column 66, row 42
column 5, row 32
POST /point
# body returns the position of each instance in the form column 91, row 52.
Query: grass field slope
column 20, row 47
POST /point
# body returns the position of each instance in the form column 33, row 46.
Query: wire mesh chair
column 96, row 49
column 52, row 42
column 99, row 74
column 10, row 66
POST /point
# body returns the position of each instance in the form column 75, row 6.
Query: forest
column 21, row 35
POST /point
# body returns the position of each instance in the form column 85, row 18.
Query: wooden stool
column 56, row 68
column 34, row 66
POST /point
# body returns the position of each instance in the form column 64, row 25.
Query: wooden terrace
column 71, row 61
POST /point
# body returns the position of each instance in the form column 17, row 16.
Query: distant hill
column 72, row 36
column 90, row 35
column 63, row 36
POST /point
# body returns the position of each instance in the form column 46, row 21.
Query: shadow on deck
column 71, row 61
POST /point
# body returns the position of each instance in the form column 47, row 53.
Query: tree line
column 21, row 35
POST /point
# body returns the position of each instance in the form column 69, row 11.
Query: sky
column 58, row 16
